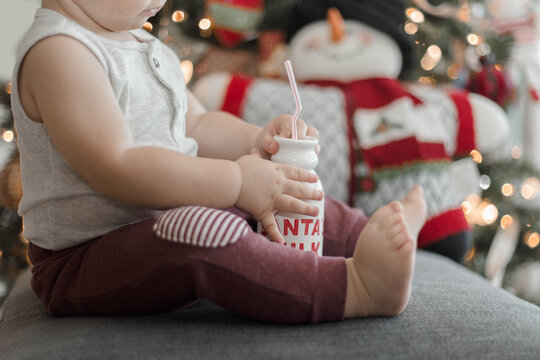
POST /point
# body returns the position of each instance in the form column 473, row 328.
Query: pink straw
column 294, row 88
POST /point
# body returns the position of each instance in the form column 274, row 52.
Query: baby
column 136, row 200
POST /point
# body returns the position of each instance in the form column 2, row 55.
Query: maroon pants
column 154, row 266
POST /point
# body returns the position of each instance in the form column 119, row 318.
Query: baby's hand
column 268, row 187
column 282, row 126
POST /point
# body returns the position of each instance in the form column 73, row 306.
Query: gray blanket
column 453, row 314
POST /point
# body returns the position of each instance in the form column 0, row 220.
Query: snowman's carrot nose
column 336, row 24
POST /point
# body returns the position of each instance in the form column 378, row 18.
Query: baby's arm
column 219, row 135
column 74, row 100
column 224, row 136
column 65, row 87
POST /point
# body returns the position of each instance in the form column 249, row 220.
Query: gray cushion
column 453, row 314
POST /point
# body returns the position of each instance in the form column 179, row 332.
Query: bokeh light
column 466, row 207
column 484, row 182
column 530, row 187
column 506, row 221
column 205, row 24
column 148, row 26
column 434, row 51
column 476, row 156
column 532, row 239
column 507, row 189
column 470, row 254
column 426, row 80
column 178, row 16
column 453, row 71
column 490, row 214
column 415, row 15
column 187, row 70
column 516, row 152
column 473, row 39
column 8, row 136
column 428, row 63
column 410, row 27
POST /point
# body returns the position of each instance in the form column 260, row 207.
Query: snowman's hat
column 387, row 16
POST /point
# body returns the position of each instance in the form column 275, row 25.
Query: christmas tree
column 474, row 45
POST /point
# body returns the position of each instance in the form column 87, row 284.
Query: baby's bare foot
column 380, row 272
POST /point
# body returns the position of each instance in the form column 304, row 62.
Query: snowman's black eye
column 313, row 44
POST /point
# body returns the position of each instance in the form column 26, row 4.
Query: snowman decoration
column 378, row 137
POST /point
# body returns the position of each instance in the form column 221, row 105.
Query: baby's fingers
column 268, row 222
column 301, row 129
column 291, row 204
column 268, row 144
column 301, row 190
column 313, row 132
column 297, row 174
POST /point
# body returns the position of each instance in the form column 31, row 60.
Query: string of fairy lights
column 467, row 13
column 481, row 211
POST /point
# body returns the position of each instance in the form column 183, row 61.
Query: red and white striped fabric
column 200, row 226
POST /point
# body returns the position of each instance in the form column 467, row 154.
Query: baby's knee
column 200, row 226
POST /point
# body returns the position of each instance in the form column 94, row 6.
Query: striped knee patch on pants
column 200, row 226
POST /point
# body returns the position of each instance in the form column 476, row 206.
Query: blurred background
column 489, row 47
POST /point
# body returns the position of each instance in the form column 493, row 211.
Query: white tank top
column 59, row 208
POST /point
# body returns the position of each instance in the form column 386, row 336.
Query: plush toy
column 378, row 136
column 235, row 20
